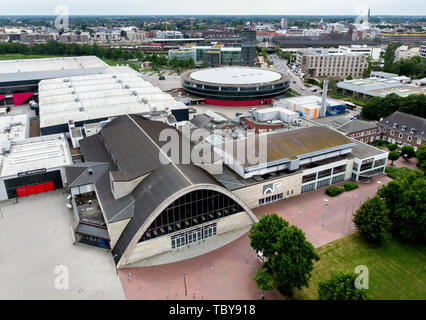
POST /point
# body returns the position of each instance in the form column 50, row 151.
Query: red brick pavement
column 235, row 264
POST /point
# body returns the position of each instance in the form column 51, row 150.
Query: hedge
column 334, row 191
column 348, row 186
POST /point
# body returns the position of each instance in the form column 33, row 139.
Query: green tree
column 406, row 201
column 340, row 286
column 349, row 77
column 372, row 221
column 408, row 152
column 294, row 259
column 264, row 280
column 289, row 257
column 393, row 156
column 264, row 234
column 421, row 157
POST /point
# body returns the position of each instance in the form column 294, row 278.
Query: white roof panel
column 235, row 75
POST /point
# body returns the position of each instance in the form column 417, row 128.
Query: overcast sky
column 194, row 7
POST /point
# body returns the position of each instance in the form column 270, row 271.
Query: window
column 309, row 177
column 361, row 140
column 323, row 183
column 324, row 173
column 400, row 135
column 379, row 162
column 409, row 138
column 337, row 179
column 339, row 169
column 419, row 141
column 308, row 187
column 273, row 198
column 391, row 133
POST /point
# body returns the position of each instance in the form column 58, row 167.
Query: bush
column 334, row 191
column 380, row 142
column 392, row 146
column 348, row 186
column 341, row 286
column 372, row 221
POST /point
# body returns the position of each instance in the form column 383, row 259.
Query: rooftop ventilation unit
column 77, row 99
column 66, row 80
column 135, row 93
column 5, row 148
column 81, row 109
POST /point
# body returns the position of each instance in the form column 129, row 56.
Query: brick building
column 403, row 129
column 360, row 130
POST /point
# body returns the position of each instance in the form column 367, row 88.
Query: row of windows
column 192, row 236
column 270, row 199
column 323, row 173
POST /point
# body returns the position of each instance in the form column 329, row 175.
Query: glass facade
column 193, row 236
column 193, row 209
column 270, row 199
column 308, row 187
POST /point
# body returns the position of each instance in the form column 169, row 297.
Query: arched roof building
column 150, row 212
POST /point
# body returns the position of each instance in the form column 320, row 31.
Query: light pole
column 184, row 282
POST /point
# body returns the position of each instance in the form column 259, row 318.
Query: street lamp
column 184, row 282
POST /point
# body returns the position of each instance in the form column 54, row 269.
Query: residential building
column 363, row 131
column 374, row 52
column 403, row 129
column 423, row 50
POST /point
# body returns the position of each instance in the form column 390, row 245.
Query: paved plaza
column 227, row 273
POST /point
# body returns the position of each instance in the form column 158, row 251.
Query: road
column 296, row 84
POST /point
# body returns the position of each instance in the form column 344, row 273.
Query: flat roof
column 37, row 69
column 311, row 100
column 235, row 75
column 292, row 144
column 115, row 92
column 36, row 153
column 363, row 151
column 14, row 128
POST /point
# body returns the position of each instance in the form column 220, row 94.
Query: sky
column 212, row 7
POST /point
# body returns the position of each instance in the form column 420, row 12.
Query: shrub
column 380, row 142
column 348, row 186
column 334, row 191
column 392, row 146
column 341, row 286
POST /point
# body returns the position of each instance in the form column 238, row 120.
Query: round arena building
column 235, row 86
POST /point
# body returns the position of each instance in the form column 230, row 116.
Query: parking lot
column 35, row 237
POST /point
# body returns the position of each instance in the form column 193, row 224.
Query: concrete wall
column 251, row 194
column 162, row 245
column 121, row 189
column 115, row 229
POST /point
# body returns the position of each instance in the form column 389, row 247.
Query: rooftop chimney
column 324, row 99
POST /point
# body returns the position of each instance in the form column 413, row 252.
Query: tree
column 349, row 77
column 406, row 200
column 393, row 156
column 264, row 280
column 408, row 152
column 293, row 262
column 372, row 221
column 421, row 157
column 264, row 234
column 340, row 286
column 289, row 257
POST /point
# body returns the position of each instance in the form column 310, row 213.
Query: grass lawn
column 397, row 172
column 23, row 56
column 397, row 270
